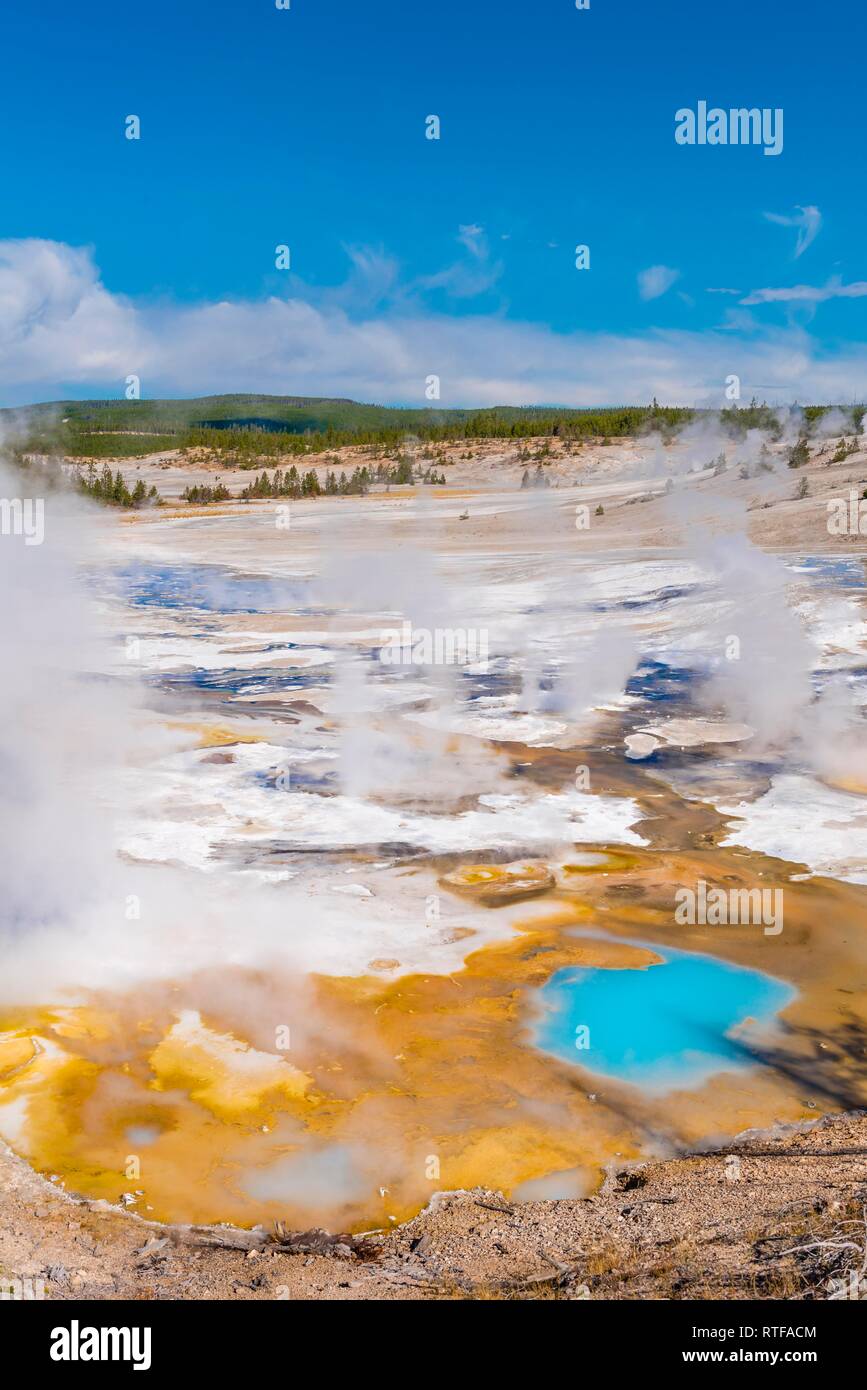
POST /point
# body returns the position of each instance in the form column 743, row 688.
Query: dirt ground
column 778, row 1216
column 622, row 476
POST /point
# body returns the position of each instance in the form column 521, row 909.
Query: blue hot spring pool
column 669, row 1026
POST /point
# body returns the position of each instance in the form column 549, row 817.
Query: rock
column 693, row 733
column 640, row 746
column 494, row 884
column 152, row 1246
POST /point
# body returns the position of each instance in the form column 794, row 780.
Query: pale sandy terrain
column 620, row 474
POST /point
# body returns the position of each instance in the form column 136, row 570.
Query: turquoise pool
column 668, row 1026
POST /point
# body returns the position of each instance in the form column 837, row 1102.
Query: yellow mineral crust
column 425, row 1078
column 16, row 1053
column 226, row 1076
column 416, row 1082
column 216, row 735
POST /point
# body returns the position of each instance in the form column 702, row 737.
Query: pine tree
column 799, row 454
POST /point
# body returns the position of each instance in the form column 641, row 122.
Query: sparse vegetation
column 843, row 450
column 538, row 479
column 799, row 454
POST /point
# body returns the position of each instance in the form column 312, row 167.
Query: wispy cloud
column 374, row 280
column 808, row 294
column 808, row 222
column 472, row 275
column 472, row 236
column 656, row 280
column 63, row 333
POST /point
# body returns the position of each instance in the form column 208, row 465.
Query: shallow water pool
column 669, row 1026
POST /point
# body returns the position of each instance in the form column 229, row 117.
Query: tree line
column 111, row 488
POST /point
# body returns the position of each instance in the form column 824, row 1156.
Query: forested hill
column 308, row 424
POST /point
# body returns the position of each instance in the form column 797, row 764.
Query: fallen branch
column 315, row 1242
column 784, row 1153
column 640, row 1201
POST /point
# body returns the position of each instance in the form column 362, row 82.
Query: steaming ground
column 225, row 816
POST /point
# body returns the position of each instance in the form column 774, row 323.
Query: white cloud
column 808, row 222
column 808, row 294
column 62, row 332
column 654, row 281
column 55, row 312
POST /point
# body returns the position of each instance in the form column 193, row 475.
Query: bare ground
column 776, row 1216
column 615, row 477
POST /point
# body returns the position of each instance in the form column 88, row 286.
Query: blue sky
column 306, row 127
